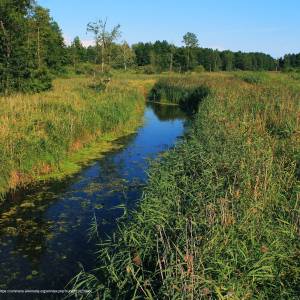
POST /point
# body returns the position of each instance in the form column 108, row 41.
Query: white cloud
column 87, row 43
column 67, row 40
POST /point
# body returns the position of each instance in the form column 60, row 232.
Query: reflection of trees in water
column 167, row 112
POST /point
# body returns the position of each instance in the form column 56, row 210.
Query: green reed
column 219, row 218
column 184, row 91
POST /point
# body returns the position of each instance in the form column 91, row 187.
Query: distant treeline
column 289, row 62
column 163, row 56
column 32, row 50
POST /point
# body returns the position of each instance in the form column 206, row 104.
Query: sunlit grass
column 219, row 218
column 41, row 134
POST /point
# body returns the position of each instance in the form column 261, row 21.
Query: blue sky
column 270, row 26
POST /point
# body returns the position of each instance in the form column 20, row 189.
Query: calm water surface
column 44, row 233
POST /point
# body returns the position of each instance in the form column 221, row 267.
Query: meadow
column 219, row 218
column 51, row 134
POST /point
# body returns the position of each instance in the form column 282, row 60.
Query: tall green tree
column 30, row 44
column 142, row 53
column 127, row 55
column 227, row 60
column 78, row 52
column 191, row 42
column 172, row 51
column 104, row 39
column 13, row 43
column 48, row 42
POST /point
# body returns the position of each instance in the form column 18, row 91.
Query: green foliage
column 295, row 75
column 30, row 42
column 122, row 56
column 40, row 80
column 290, row 62
column 164, row 56
column 199, row 69
column 77, row 53
column 190, row 40
column 85, row 68
column 185, row 91
column 149, row 69
column 253, row 77
column 100, row 81
column 104, row 40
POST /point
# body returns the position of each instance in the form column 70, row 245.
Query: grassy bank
column 219, row 218
column 49, row 135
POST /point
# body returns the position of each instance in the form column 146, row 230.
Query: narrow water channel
column 44, row 233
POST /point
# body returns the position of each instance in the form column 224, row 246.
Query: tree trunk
column 102, row 56
column 124, row 58
column 38, row 48
column 171, row 63
column 74, row 60
column 8, row 54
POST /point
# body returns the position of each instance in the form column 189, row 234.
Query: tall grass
column 253, row 77
column 219, row 218
column 185, row 91
column 40, row 133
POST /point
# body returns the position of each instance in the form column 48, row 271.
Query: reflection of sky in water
column 49, row 259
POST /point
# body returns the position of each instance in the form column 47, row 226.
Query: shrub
column 149, row 69
column 199, row 69
column 100, row 81
column 40, row 80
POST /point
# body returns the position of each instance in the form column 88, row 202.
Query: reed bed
column 219, row 218
column 39, row 134
column 184, row 91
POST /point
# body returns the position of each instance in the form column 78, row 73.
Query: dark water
column 45, row 233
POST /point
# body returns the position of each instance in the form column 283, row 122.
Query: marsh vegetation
column 46, row 135
column 167, row 171
column 219, row 217
column 52, row 221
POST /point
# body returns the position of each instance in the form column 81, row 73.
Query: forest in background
column 33, row 51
